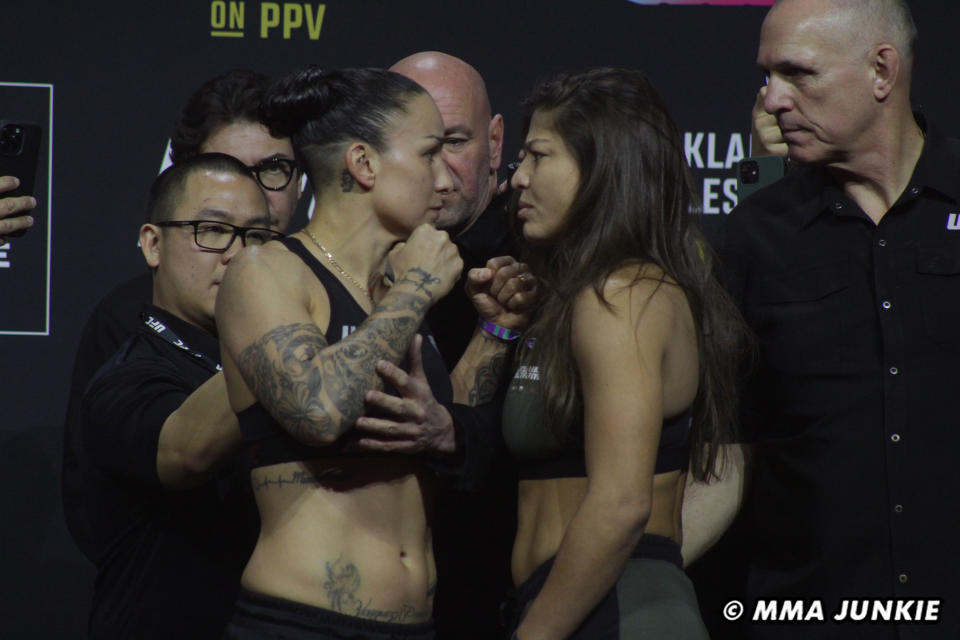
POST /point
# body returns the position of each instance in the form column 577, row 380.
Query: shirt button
column 902, row 578
column 838, row 206
column 898, row 508
column 894, row 371
column 915, row 191
column 895, row 437
column 886, row 304
column 882, row 242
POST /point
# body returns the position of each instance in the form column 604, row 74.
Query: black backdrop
column 116, row 75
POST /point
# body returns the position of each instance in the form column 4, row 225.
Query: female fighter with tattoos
column 628, row 363
column 344, row 548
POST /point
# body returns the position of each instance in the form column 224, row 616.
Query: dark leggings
column 260, row 617
column 652, row 598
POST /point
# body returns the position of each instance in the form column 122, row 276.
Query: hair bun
column 294, row 100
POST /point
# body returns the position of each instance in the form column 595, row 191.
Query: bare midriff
column 349, row 534
column 546, row 507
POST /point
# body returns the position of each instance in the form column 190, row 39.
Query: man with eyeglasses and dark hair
column 221, row 116
column 170, row 525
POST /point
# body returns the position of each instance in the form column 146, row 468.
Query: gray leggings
column 652, row 599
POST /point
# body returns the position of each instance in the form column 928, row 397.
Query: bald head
column 865, row 23
column 448, row 77
column 474, row 139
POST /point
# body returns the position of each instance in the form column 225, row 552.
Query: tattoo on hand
column 487, row 380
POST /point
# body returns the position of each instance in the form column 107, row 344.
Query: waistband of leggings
column 651, row 546
column 281, row 610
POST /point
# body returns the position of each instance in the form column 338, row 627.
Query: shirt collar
column 196, row 338
column 936, row 170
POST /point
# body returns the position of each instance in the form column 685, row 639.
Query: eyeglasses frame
column 237, row 231
column 256, row 168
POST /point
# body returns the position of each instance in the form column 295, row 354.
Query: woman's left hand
column 503, row 292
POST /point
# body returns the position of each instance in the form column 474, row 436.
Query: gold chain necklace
column 337, row 266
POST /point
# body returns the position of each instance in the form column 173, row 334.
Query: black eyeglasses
column 274, row 174
column 219, row 236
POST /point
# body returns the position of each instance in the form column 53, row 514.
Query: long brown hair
column 635, row 204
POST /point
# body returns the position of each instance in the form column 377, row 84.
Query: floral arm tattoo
column 316, row 390
column 487, row 379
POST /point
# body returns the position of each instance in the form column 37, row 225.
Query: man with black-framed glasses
column 170, row 526
column 221, row 116
column 218, row 236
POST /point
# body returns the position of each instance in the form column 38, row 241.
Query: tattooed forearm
column 341, row 586
column 315, row 390
column 281, row 372
column 487, row 379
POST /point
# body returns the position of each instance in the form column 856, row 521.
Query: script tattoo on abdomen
column 341, row 586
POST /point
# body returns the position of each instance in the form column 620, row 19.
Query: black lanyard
column 168, row 334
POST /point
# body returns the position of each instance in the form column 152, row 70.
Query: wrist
column 501, row 333
column 422, row 282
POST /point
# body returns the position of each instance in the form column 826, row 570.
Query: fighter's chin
column 444, row 218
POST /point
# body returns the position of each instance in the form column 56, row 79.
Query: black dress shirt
column 853, row 493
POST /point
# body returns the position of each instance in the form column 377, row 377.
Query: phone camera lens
column 11, row 139
column 749, row 172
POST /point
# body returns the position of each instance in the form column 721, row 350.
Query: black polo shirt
column 111, row 323
column 854, row 488
column 169, row 562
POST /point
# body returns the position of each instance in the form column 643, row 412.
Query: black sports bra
column 540, row 454
column 266, row 442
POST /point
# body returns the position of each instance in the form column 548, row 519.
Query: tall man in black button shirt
column 848, row 270
column 170, row 526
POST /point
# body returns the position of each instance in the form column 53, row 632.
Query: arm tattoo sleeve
column 316, row 390
column 487, row 379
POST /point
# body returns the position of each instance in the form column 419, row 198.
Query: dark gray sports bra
column 540, row 454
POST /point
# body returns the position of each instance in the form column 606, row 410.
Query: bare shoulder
column 637, row 296
column 271, row 265
column 265, row 258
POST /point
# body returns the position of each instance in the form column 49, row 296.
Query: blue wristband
column 499, row 332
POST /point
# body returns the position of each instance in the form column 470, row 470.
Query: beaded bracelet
column 499, row 332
